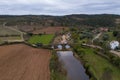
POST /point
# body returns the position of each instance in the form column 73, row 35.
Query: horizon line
column 56, row 15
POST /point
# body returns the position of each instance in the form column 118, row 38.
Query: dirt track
column 21, row 62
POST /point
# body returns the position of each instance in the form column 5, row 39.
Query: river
column 74, row 68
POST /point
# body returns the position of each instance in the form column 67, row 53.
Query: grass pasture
column 111, row 36
column 1, row 41
column 44, row 39
column 100, row 67
column 6, row 31
column 7, row 34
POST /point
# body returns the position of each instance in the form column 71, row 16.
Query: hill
column 67, row 20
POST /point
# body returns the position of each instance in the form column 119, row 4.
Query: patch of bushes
column 116, row 61
column 10, row 43
column 57, row 72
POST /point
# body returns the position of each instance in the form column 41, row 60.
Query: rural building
column 114, row 45
column 103, row 29
column 64, row 41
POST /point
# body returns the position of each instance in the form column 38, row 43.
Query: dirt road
column 96, row 37
column 22, row 39
column 115, row 52
column 21, row 62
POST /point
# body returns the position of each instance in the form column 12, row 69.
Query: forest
column 103, row 20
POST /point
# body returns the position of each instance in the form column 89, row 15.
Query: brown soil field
column 21, row 62
column 49, row 30
column 26, row 28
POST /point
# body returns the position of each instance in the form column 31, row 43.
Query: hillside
column 67, row 20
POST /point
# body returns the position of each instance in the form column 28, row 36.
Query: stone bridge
column 60, row 46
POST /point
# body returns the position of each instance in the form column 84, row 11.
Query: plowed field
column 50, row 30
column 21, row 62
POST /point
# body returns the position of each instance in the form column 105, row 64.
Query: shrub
column 57, row 73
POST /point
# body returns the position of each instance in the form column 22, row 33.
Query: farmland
column 44, row 39
column 50, row 30
column 7, row 34
column 21, row 62
column 6, row 31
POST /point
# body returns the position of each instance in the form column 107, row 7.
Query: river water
column 74, row 68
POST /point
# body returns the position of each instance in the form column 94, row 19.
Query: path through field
column 97, row 36
column 115, row 52
column 22, row 39
column 21, row 62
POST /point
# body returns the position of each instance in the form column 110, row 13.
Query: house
column 114, row 45
column 103, row 29
column 64, row 41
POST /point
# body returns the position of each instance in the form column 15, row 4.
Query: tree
column 115, row 33
column 75, row 36
column 97, row 42
column 30, row 34
column 118, row 36
column 52, row 24
column 105, row 37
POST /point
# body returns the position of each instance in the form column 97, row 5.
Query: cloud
column 59, row 7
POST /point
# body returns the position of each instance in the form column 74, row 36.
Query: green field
column 111, row 36
column 44, row 39
column 7, row 34
column 1, row 41
column 100, row 67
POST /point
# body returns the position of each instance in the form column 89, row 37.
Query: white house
column 114, row 44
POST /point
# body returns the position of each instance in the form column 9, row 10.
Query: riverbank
column 98, row 67
column 56, row 69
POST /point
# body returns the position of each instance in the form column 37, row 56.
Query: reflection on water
column 67, row 46
column 75, row 70
column 60, row 47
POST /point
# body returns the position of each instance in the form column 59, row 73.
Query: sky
column 58, row 7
